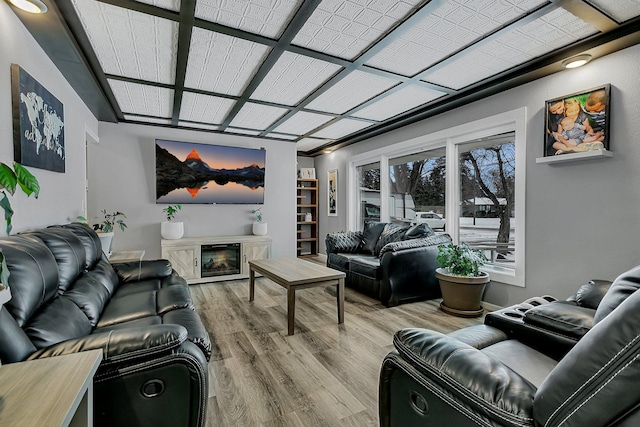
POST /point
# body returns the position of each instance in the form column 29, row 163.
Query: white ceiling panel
column 351, row 91
column 198, row 125
column 268, row 18
column 302, row 122
column 292, row 78
column 453, row 25
column 204, row 108
column 346, row 28
column 620, row 10
column 306, row 144
column 135, row 98
column 129, row 43
column 281, row 136
column 257, row 116
column 243, row 131
column 221, row 63
column 341, row 128
column 543, row 35
column 154, row 120
column 398, row 102
column 165, row 4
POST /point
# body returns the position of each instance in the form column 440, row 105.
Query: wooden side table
column 56, row 391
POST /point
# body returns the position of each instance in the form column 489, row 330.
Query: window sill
column 503, row 275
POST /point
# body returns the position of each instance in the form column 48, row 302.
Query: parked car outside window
column 432, row 219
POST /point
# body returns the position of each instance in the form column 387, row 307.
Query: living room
column 581, row 217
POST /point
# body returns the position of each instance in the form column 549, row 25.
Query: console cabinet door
column 252, row 251
column 185, row 260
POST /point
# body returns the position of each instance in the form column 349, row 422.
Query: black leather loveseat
column 389, row 262
column 482, row 376
column 67, row 298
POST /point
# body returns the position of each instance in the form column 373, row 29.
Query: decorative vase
column 106, row 239
column 172, row 230
column 462, row 296
column 308, row 217
column 259, row 228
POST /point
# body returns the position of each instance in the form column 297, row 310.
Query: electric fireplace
column 220, row 259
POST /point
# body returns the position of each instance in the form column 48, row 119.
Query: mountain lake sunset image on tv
column 187, row 172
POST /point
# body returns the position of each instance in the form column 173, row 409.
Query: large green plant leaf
column 26, row 180
column 8, row 179
column 8, row 211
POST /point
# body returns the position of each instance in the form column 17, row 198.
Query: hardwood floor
column 324, row 375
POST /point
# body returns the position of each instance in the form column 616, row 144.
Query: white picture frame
column 308, row 173
column 332, row 192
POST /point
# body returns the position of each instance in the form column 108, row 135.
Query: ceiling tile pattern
column 265, row 17
column 326, row 72
column 147, row 100
column 221, row 63
column 346, row 28
column 543, row 35
column 620, row 10
column 128, row 43
column 198, row 107
column 292, row 78
column 448, row 28
column 351, row 91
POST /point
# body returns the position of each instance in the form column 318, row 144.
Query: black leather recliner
column 479, row 376
column 389, row 262
column 67, row 298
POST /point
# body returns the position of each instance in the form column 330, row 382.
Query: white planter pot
column 107, row 242
column 172, row 230
column 259, row 228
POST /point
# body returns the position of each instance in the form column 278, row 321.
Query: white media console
column 209, row 259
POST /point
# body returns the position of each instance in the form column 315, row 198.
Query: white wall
column 121, row 169
column 62, row 195
column 583, row 218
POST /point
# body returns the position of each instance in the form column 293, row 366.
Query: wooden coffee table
column 294, row 274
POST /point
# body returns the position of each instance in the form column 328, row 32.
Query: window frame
column 452, row 139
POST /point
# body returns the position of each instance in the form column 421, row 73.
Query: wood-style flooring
column 324, row 375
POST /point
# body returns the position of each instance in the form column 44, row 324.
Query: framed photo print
column 578, row 122
column 308, row 173
column 38, row 123
column 332, row 192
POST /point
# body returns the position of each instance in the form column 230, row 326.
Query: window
column 467, row 181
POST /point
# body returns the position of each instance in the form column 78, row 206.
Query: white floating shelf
column 563, row 158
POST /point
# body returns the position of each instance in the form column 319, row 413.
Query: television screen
column 200, row 173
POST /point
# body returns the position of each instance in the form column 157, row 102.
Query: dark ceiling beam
column 297, row 22
column 187, row 17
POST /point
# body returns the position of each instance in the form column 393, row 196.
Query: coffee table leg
column 340, row 296
column 291, row 309
column 252, row 283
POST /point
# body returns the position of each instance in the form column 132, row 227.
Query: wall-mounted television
column 188, row 172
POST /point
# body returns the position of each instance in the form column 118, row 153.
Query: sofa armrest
column 345, row 242
column 485, row 385
column 562, row 318
column 123, row 344
column 142, row 270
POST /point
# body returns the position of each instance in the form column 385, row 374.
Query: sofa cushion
column 391, row 233
column 345, row 242
column 417, row 231
column 371, row 233
column 90, row 240
column 58, row 321
column 90, row 297
column 624, row 285
column 366, row 266
column 563, row 318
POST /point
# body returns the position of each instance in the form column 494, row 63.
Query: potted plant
column 106, row 227
column 171, row 229
column 259, row 227
column 10, row 180
column 461, row 281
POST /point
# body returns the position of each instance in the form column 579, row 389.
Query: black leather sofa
column 67, row 298
column 389, row 262
column 482, row 376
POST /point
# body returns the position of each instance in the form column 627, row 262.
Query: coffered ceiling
column 317, row 73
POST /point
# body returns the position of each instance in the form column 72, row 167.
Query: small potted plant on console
column 461, row 281
column 259, row 227
column 170, row 229
column 106, row 227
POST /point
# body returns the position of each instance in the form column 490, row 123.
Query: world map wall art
column 38, row 123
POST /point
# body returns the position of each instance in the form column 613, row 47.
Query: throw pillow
column 418, row 231
column 370, row 235
column 391, row 233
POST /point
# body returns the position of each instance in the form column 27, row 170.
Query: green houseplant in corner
column 171, row 229
column 461, row 281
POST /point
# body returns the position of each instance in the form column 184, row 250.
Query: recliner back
column 621, row 288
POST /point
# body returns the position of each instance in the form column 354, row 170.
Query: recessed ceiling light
column 576, row 61
column 31, row 6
